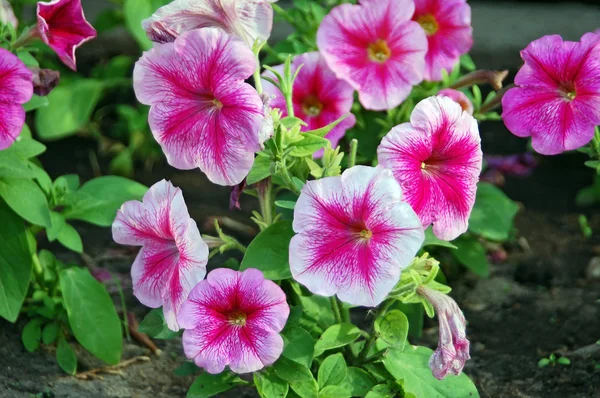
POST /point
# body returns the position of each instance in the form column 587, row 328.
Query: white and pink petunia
column 557, row 98
column 61, row 24
column 354, row 235
column 319, row 97
column 202, row 112
column 173, row 256
column 233, row 319
column 447, row 24
column 247, row 19
column 437, row 159
column 16, row 88
column 376, row 48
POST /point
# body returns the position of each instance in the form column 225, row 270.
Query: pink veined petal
column 62, row 26
column 12, row 118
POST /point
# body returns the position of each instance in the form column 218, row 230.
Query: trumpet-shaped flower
column 458, row 97
column 376, row 48
column 61, row 24
column 173, row 256
column 437, row 159
column 319, row 97
column 234, row 318
column 16, row 89
column 202, row 112
column 453, row 347
column 354, row 235
column 447, row 24
column 247, row 19
column 557, row 101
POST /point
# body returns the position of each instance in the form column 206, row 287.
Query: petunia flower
column 459, row 97
column 437, row 159
column 173, row 256
column 202, row 112
column 447, row 24
column 61, row 24
column 376, row 48
column 557, row 101
column 453, row 347
column 247, row 19
column 354, row 236
column 7, row 15
column 16, row 89
column 233, row 319
column 319, row 97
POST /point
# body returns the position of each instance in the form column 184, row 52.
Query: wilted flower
column 437, row 159
column 354, row 235
column 517, row 165
column 202, row 112
column 15, row 90
column 234, row 318
column 7, row 15
column 61, row 24
column 557, row 101
column 247, row 19
column 173, row 256
column 319, row 97
column 453, row 347
column 459, row 97
column 376, row 48
column 44, row 80
column 447, row 24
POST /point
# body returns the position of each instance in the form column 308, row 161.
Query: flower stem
column 289, row 105
column 265, row 199
column 353, row 149
column 335, row 306
column 123, row 307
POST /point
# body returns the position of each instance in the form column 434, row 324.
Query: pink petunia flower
column 354, row 236
column 173, row 256
column 447, row 24
column 437, row 159
column 459, row 97
column 234, row 318
column 319, row 97
column 376, row 48
column 202, row 112
column 7, row 15
column 453, row 347
column 557, row 101
column 247, row 19
column 16, row 89
column 61, row 24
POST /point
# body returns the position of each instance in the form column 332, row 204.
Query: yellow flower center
column 237, row 318
column 379, row 51
column 366, row 234
column 428, row 23
column 423, row 165
column 311, row 106
column 218, row 104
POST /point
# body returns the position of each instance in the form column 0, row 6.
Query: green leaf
column 92, row 314
column 70, row 238
column 49, row 333
column 98, row 200
column 358, row 382
column 308, row 145
column 26, row 148
column 285, row 204
column 26, row 198
column 411, row 370
column 154, row 325
column 432, row 240
column 493, row 214
column 336, row 336
column 270, row 385
column 208, row 385
column 65, row 356
column 472, row 255
column 27, row 58
column 334, row 392
column 15, row 263
column 58, row 222
column 187, row 368
column 269, row 251
column 260, row 170
column 299, row 346
column 323, row 131
column 317, row 309
column 332, row 371
column 299, row 377
column 14, row 167
column 393, row 328
column 32, row 334
column 135, row 11
column 36, row 102
column 74, row 103
column 381, row 391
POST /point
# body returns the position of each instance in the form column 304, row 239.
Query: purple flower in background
column 520, row 165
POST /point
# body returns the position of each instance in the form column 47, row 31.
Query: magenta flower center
column 237, row 318
column 428, row 23
column 379, row 51
column 311, row 106
column 568, row 92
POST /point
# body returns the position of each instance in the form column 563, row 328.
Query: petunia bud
column 453, row 347
column 7, row 16
column 44, row 80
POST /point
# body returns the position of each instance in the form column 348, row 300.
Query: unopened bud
column 44, row 80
